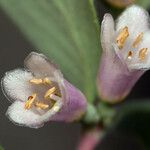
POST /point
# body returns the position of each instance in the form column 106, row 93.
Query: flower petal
column 69, row 109
column 21, row 116
column 136, row 19
column 74, row 104
column 114, row 81
column 136, row 63
column 30, row 118
column 16, row 86
column 40, row 65
column 107, row 32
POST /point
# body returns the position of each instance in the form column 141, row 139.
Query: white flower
column 40, row 93
column 126, row 53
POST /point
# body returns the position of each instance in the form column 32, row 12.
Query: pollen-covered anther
column 40, row 81
column 122, row 36
column 41, row 105
column 30, row 101
column 49, row 92
column 137, row 40
column 46, row 81
column 142, row 53
column 129, row 56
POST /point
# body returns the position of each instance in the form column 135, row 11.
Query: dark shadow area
column 116, row 140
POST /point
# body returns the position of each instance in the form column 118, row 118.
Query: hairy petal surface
column 107, row 33
column 15, row 84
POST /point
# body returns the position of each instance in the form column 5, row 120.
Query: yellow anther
column 137, row 40
column 36, row 81
column 122, row 36
column 40, row 81
column 49, row 92
column 129, row 55
column 30, row 101
column 142, row 53
column 41, row 105
column 46, row 81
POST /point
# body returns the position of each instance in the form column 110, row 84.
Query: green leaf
column 143, row 3
column 1, row 148
column 135, row 118
column 66, row 31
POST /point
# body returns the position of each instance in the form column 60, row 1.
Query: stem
column 89, row 139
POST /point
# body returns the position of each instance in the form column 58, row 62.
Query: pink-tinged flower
column 126, row 53
column 41, row 94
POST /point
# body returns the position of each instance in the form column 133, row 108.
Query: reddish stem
column 89, row 139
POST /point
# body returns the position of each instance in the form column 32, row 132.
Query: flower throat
column 48, row 102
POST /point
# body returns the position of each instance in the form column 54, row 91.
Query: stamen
column 46, row 81
column 56, row 108
column 41, row 105
column 30, row 101
column 52, row 103
column 36, row 81
column 142, row 53
column 122, row 36
column 55, row 97
column 40, row 81
column 129, row 55
column 49, row 92
column 137, row 40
